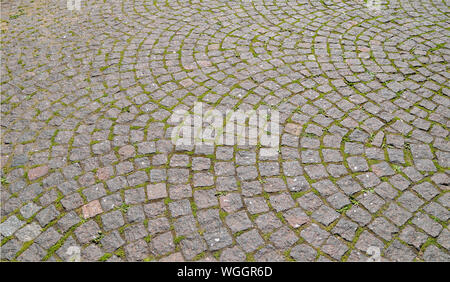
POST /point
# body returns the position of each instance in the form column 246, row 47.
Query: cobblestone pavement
column 88, row 166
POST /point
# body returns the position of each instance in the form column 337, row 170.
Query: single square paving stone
column 412, row 173
column 87, row 232
column 410, row 201
column 186, row 226
column 325, row 215
column 397, row 214
column 367, row 240
column 386, row 191
column 203, row 179
column 297, row 184
column 335, row 248
column 245, row 173
column 10, row 249
column 112, row 220
column 399, row 252
column 11, row 225
column 91, row 253
column 48, row 238
column 233, row 254
column 445, row 200
column 357, row 164
column 348, row 185
column 421, row 151
column 69, row 250
column 155, row 209
column 135, row 214
column 224, row 153
column 69, row 220
column 231, row 202
column 226, row 183
column 338, row 200
column 256, row 205
column 250, row 240
column 205, row 198
column 303, row 253
column 146, row 148
column 353, row 148
column 156, row 191
column 336, row 170
column 110, row 202
column 413, row 237
column 283, row 238
column 137, row 251
column 292, row 168
column 268, row 254
column 251, row 188
column 424, row 165
column 112, row 241
column 382, row 169
column 369, row 179
column 94, row 192
column 444, row 239
column 30, row 192
column 438, row 211
column 68, row 187
column 238, row 221
column 162, row 244
column 399, row 182
column 209, row 219
column 310, row 201
column 371, row 201
column 191, row 247
column 46, row 215
column 330, row 155
column 37, row 172
column 310, row 157
column 91, row 209
column 29, row 232
column 433, row 253
column 316, row 171
column 159, row 175
column 178, row 192
column 296, row 217
column 361, row 216
column 274, row 185
column 135, row 196
column 426, row 190
column 325, row 188
column 345, row 228
column 117, row 183
column 72, row 201
column 48, row 198
column 314, row 235
column 383, row 228
column 281, row 202
column 268, row 222
column 179, row 208
column 158, row 225
column 32, row 254
column 427, row 224
column 396, row 156
column 217, row 239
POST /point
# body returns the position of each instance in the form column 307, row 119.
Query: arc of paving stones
column 355, row 169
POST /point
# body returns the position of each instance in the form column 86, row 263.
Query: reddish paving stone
column 156, row 191
column 37, row 172
column 92, row 209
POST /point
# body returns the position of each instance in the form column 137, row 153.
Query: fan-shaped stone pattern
column 87, row 160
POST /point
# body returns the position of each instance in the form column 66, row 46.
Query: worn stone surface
column 87, row 158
